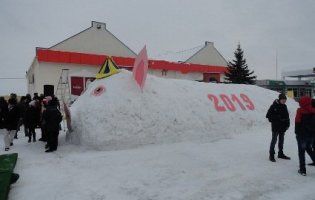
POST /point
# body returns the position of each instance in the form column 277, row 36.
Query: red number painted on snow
column 236, row 99
column 246, row 99
column 216, row 103
column 229, row 103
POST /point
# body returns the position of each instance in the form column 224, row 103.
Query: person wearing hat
column 278, row 115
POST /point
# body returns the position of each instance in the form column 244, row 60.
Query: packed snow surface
column 167, row 111
column 228, row 169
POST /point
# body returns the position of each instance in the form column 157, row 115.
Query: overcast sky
column 262, row 27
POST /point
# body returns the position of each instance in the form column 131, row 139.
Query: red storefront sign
column 77, row 85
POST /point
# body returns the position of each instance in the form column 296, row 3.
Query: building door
column 48, row 90
column 211, row 77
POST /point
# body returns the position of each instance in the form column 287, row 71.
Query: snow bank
column 114, row 114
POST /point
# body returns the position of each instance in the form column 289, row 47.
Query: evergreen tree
column 238, row 71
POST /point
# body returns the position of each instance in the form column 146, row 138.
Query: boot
column 302, row 172
column 272, row 158
column 49, row 150
column 282, row 156
column 34, row 137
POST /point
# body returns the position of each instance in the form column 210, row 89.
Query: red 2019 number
column 216, row 103
column 229, row 103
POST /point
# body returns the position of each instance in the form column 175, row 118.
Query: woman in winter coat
column 11, row 123
column 30, row 120
column 305, row 130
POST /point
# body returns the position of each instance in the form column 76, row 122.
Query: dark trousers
column 31, row 132
column 44, row 134
column 304, row 144
column 20, row 122
column 275, row 135
column 25, row 130
column 52, row 139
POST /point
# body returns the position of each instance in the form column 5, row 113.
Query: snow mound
column 114, row 114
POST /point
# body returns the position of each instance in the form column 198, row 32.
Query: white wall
column 177, row 75
column 49, row 73
column 95, row 40
column 208, row 55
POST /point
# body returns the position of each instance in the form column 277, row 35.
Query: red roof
column 46, row 55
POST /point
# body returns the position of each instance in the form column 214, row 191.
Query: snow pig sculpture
column 114, row 114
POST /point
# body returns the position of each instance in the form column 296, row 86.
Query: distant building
column 83, row 54
column 304, row 85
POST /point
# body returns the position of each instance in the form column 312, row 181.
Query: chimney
column 208, row 43
column 98, row 25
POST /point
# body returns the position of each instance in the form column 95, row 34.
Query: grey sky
column 262, row 27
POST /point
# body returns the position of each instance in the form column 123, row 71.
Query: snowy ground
column 235, row 168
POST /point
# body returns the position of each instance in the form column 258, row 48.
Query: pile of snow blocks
column 7, row 164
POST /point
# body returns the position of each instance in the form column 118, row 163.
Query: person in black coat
column 30, row 121
column 278, row 115
column 51, row 120
column 11, row 123
column 3, row 111
column 21, row 107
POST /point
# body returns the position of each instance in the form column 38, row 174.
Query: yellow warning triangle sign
column 108, row 68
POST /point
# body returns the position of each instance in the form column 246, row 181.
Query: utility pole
column 276, row 65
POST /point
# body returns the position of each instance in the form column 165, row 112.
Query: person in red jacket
column 304, row 130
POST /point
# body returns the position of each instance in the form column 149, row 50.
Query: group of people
column 37, row 112
column 278, row 115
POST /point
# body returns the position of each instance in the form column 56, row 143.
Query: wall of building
column 49, row 74
column 176, row 75
column 208, row 55
column 30, row 77
column 95, row 40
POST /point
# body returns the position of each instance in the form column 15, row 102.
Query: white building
column 82, row 54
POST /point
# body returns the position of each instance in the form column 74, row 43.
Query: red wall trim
column 46, row 55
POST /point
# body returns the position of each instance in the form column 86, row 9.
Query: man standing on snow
column 278, row 115
column 305, row 130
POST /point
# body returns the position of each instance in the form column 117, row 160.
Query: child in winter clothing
column 304, row 130
column 278, row 115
